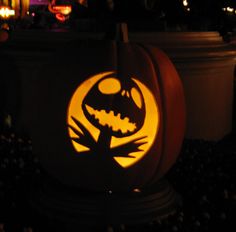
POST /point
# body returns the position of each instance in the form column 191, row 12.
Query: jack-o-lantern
column 110, row 116
column 117, row 114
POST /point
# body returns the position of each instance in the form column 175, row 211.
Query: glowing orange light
column 61, row 17
column 65, row 10
column 59, row 9
column 86, row 121
column 6, row 12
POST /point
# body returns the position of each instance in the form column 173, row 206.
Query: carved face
column 119, row 118
column 115, row 106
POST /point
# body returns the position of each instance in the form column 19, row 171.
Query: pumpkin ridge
column 173, row 130
column 163, row 108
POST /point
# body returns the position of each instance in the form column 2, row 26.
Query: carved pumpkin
column 117, row 115
column 110, row 116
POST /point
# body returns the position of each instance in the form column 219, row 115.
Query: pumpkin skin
column 99, row 169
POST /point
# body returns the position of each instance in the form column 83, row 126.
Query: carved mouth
column 112, row 120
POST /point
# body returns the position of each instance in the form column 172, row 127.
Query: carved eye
column 109, row 86
column 136, row 97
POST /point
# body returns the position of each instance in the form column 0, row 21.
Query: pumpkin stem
column 122, row 32
column 119, row 32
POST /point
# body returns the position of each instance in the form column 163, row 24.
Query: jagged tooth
column 115, row 128
column 126, row 119
column 97, row 114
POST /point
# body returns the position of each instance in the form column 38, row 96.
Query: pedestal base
column 76, row 208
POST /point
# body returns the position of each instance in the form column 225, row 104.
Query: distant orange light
column 6, row 12
column 61, row 17
column 63, row 9
column 83, row 2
